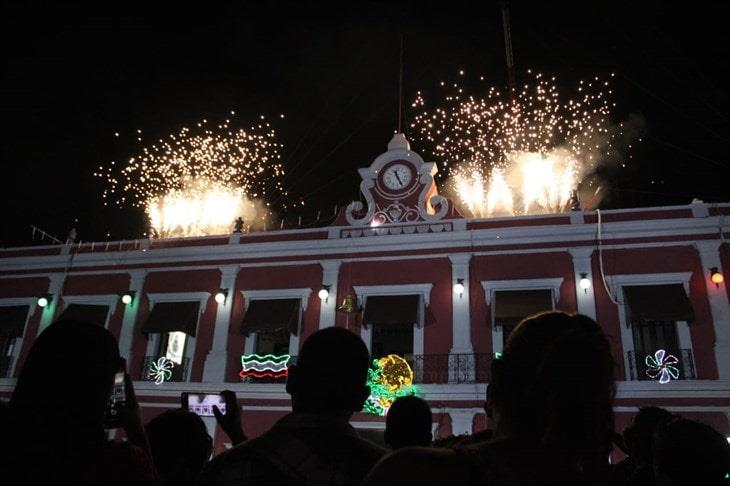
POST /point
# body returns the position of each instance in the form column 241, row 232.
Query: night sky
column 73, row 75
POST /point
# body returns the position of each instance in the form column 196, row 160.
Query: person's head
column 180, row 446
column 554, row 385
column 67, row 376
column 408, row 423
column 330, row 373
column 687, row 452
column 639, row 435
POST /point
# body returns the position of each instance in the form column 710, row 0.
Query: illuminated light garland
column 661, row 366
column 264, row 366
column 390, row 377
column 161, row 370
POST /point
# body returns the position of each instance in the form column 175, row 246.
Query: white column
column 55, row 286
column 126, row 334
column 585, row 298
column 462, row 420
column 460, row 321
column 328, row 308
column 717, row 296
column 217, row 359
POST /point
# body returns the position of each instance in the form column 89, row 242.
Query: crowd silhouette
column 549, row 401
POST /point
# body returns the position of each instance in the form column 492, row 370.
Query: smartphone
column 116, row 402
column 202, row 403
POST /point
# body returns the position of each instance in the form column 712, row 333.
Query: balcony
column 176, row 373
column 452, row 368
column 638, row 367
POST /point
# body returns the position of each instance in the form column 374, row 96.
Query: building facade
column 409, row 274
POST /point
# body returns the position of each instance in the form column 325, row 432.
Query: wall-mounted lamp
column 128, row 297
column 221, row 295
column 459, row 287
column 585, row 282
column 44, row 300
column 716, row 277
column 324, row 293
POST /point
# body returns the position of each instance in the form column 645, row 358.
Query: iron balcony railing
column 6, row 364
column 639, row 370
column 151, row 370
column 452, row 368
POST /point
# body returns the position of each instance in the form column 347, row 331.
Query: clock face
column 397, row 177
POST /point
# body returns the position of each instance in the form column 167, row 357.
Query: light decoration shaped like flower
column 390, row 377
column 161, row 370
column 662, row 366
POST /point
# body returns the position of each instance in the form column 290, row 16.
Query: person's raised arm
column 230, row 422
column 131, row 418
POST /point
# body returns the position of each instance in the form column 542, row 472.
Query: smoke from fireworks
column 522, row 154
column 198, row 181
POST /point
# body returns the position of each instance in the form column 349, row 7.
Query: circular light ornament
column 220, row 296
column 459, row 286
column 324, row 293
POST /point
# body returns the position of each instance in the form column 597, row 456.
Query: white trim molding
column 273, row 294
column 422, row 290
column 618, row 282
column 302, row 294
column 167, row 297
column 492, row 286
column 109, row 300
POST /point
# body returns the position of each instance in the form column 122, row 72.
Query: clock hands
column 395, row 173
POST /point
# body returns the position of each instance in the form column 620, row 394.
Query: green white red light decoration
column 662, row 366
column 390, row 377
column 264, row 366
column 161, row 370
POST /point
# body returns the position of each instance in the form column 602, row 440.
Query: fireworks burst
column 198, row 181
column 521, row 155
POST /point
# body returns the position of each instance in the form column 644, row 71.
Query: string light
column 264, row 366
column 661, row 366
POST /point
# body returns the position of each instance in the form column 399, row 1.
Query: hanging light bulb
column 221, row 295
column 128, row 297
column 459, row 286
column 44, row 300
column 585, row 282
column 716, row 277
column 324, row 292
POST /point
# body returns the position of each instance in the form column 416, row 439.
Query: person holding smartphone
column 56, row 415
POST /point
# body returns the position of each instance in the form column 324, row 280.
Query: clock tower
column 398, row 187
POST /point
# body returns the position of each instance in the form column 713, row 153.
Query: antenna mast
column 400, row 86
column 508, row 46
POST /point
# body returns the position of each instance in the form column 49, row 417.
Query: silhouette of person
column 408, row 423
column 638, row 439
column 550, row 398
column 55, row 432
column 688, row 453
column 314, row 444
column 180, row 446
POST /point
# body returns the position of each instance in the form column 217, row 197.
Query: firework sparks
column 198, row 181
column 522, row 155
